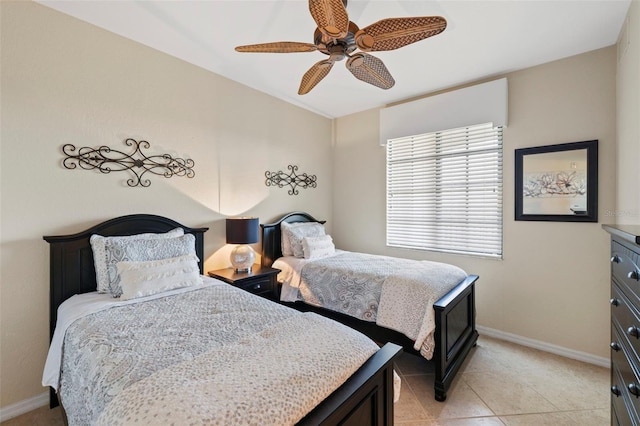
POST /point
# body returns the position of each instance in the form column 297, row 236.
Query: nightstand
column 261, row 280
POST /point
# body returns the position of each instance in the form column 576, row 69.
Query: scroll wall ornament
column 108, row 160
column 294, row 180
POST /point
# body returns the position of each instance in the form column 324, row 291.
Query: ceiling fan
column 338, row 38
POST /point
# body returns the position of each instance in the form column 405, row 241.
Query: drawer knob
column 615, row 259
column 615, row 390
column 633, row 331
column 615, row 346
column 634, row 389
column 633, row 275
column 614, row 302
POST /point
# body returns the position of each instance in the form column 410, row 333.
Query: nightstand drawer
column 260, row 280
column 257, row 286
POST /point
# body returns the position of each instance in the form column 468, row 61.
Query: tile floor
column 500, row 383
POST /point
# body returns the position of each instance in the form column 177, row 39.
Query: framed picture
column 557, row 182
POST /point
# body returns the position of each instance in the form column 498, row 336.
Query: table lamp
column 242, row 231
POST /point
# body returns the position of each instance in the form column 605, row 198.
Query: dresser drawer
column 625, row 386
column 621, row 411
column 625, row 317
column 619, row 419
column 624, row 269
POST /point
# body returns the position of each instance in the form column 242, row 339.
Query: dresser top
column 628, row 232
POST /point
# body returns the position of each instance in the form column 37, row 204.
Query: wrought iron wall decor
column 294, row 180
column 108, row 160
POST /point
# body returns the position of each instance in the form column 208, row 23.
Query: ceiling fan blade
column 278, row 47
column 317, row 72
column 330, row 16
column 393, row 33
column 370, row 70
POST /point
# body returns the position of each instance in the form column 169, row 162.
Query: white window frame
column 444, row 191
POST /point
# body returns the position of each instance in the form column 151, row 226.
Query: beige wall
column 64, row 81
column 627, row 209
column 552, row 285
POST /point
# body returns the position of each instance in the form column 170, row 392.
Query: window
column 444, row 191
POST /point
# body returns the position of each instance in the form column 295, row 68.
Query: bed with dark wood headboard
column 366, row 398
column 455, row 332
column 71, row 259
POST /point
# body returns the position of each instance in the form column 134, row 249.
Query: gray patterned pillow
column 142, row 251
column 295, row 232
column 98, row 247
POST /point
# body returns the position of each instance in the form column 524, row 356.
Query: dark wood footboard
column 455, row 333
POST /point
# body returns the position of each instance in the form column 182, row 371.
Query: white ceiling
column 482, row 39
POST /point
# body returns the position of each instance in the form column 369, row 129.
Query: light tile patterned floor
column 500, row 384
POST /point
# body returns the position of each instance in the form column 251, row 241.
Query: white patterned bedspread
column 393, row 292
column 215, row 355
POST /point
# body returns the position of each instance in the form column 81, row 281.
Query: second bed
column 427, row 307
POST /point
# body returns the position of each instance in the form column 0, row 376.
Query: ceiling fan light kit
column 338, row 38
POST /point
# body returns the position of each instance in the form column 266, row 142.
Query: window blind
column 444, row 191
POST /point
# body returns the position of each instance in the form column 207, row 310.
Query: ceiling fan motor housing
column 336, row 48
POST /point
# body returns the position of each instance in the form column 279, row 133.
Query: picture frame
column 557, row 182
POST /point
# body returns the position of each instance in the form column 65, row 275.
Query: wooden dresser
column 625, row 324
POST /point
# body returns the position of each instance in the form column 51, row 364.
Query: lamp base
column 242, row 258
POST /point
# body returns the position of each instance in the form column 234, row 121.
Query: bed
column 364, row 398
column 454, row 313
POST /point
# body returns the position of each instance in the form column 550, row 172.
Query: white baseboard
column 546, row 347
column 24, row 406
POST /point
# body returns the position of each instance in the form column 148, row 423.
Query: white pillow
column 139, row 279
column 295, row 232
column 142, row 251
column 98, row 246
column 317, row 247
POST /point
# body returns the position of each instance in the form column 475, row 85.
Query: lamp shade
column 242, row 230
